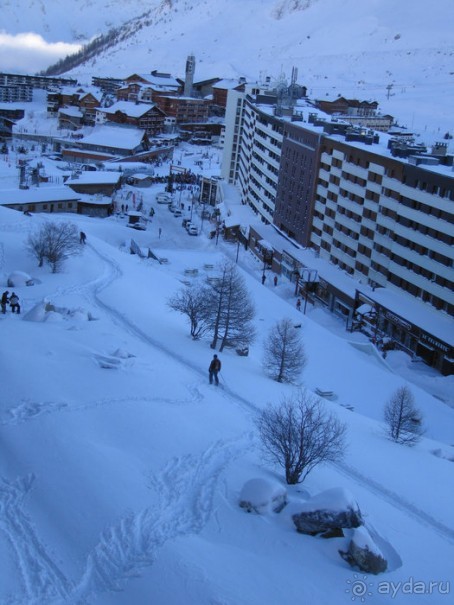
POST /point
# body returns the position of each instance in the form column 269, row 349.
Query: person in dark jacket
column 83, row 237
column 5, row 300
column 214, row 369
column 14, row 303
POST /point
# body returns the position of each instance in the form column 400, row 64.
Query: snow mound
column 45, row 311
column 20, row 278
column 262, row 496
column 335, row 499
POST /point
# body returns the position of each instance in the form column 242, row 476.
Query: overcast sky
column 30, row 53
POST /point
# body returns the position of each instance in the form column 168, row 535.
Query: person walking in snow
column 83, row 237
column 14, row 303
column 298, row 304
column 4, row 301
column 214, row 369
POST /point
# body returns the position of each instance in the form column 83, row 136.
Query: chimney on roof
column 189, row 77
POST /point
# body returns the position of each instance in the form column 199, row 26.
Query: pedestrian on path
column 263, row 279
column 298, row 304
column 275, row 280
column 83, row 237
column 214, row 369
column 159, row 231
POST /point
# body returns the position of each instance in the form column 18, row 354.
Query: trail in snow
column 395, row 500
column 42, row 580
column 185, row 491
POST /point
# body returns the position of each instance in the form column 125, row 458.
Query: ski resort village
column 227, row 361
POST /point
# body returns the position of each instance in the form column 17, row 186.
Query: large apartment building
column 387, row 220
column 379, row 209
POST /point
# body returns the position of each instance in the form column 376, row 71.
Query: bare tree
column 299, row 434
column 54, row 242
column 192, row 301
column 232, row 310
column 403, row 419
column 36, row 246
column 284, row 352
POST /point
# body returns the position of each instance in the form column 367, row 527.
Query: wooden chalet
column 147, row 117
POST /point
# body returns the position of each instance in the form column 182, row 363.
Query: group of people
column 12, row 300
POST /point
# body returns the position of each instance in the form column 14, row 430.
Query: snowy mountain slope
column 400, row 54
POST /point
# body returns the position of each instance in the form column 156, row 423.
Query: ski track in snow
column 28, row 410
column 185, row 491
column 396, row 501
column 42, row 580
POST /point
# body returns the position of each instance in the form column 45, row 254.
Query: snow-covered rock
column 262, row 496
column 330, row 510
column 364, row 553
column 20, row 278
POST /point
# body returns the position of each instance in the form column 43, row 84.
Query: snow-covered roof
column 139, row 176
column 72, row 111
column 89, row 177
column 227, row 84
column 37, row 195
column 114, row 136
column 134, row 110
column 162, row 81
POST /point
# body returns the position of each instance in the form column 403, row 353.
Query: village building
column 221, row 89
column 144, row 87
column 66, row 101
column 357, row 113
column 112, row 143
column 70, row 118
column 95, row 182
column 184, row 109
column 40, row 199
column 147, row 117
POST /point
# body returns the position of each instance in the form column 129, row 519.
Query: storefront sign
column 397, row 320
column 437, row 344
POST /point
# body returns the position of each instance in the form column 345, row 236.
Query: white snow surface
column 121, row 468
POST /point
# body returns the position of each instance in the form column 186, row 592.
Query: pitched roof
column 40, row 194
column 133, row 110
column 95, row 177
column 119, row 137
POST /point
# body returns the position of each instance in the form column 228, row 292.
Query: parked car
column 192, row 230
column 177, row 212
column 186, row 222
